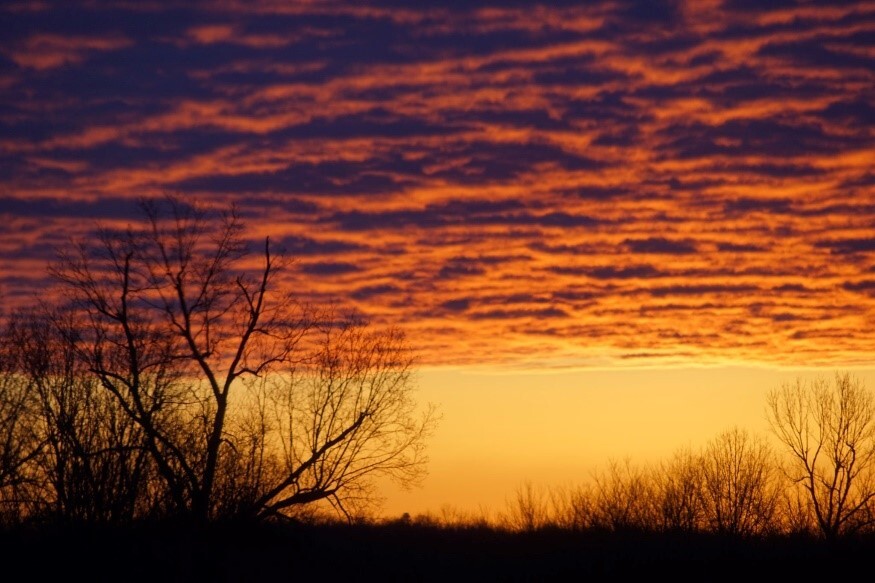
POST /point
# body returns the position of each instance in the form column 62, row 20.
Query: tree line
column 819, row 481
column 170, row 375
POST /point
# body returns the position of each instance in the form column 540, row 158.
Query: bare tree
column 739, row 488
column 829, row 432
column 623, row 497
column 20, row 441
column 677, row 484
column 571, row 506
column 180, row 316
column 343, row 416
column 529, row 510
column 92, row 465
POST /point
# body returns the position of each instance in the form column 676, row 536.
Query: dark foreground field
column 402, row 552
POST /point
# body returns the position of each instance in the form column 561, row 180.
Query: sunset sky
column 608, row 227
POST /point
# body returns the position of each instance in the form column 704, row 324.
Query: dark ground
column 402, row 552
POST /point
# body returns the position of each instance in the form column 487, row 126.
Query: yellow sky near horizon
column 553, row 429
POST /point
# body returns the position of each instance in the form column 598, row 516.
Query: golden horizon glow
column 554, row 429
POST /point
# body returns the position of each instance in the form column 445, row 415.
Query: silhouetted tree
column 829, row 432
column 92, row 466
column 177, row 316
column 623, row 498
column 571, row 507
column 342, row 416
column 529, row 510
column 739, row 491
column 20, row 441
column 678, row 492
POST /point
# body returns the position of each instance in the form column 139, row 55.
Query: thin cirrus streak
column 631, row 181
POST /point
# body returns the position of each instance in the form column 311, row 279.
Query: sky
column 604, row 225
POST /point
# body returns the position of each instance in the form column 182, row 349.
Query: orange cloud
column 50, row 51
